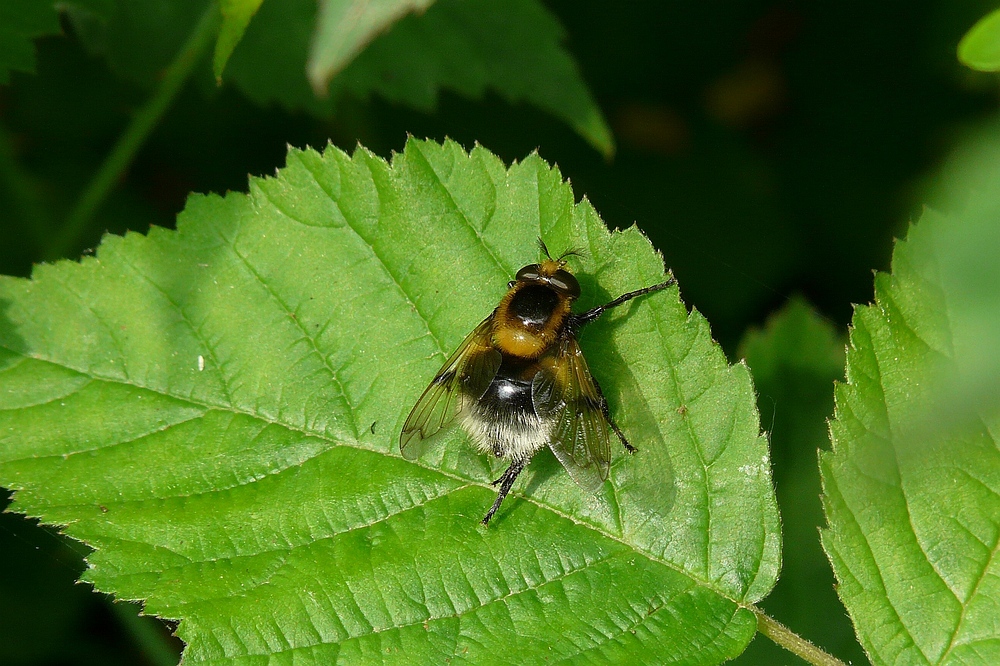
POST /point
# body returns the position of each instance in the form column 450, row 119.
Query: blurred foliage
column 795, row 358
column 766, row 147
column 980, row 47
column 911, row 485
column 236, row 15
column 20, row 21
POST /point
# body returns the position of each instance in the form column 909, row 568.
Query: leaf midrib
column 357, row 444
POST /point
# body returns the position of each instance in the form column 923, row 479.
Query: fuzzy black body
column 519, row 382
column 503, row 421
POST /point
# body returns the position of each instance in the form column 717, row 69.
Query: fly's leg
column 505, row 481
column 577, row 321
column 611, row 421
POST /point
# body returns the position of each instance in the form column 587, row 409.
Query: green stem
column 792, row 642
column 146, row 635
column 135, row 135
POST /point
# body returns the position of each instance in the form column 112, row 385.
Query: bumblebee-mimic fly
column 519, row 382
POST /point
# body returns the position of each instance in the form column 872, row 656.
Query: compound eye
column 566, row 283
column 529, row 272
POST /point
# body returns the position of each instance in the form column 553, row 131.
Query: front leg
column 578, row 321
column 505, row 481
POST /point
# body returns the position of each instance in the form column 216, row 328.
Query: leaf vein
column 461, row 215
column 223, row 380
column 348, row 409
column 968, row 602
column 75, row 390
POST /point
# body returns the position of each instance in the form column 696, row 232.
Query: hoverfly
column 519, row 382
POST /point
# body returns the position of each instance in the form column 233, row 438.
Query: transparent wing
column 463, row 379
column 565, row 392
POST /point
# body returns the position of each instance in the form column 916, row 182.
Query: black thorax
column 533, row 305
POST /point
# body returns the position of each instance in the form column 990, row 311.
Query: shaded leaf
column 236, row 15
column 467, row 46
column 796, row 341
column 216, row 411
column 344, row 28
column 20, row 22
column 139, row 39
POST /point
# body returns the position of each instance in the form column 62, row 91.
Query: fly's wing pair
column 565, row 392
column 462, row 380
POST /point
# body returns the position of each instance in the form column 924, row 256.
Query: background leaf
column 467, row 46
column 980, row 47
column 344, row 28
column 912, row 486
column 236, row 15
column 20, row 22
column 137, row 39
column 261, row 499
column 795, row 359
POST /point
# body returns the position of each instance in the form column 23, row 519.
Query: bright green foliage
column 980, row 47
column 467, row 46
column 912, row 486
column 344, row 28
column 20, row 22
column 216, row 411
column 795, row 360
column 236, row 15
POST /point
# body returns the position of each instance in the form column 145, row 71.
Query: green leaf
column 344, row 28
column 912, row 486
column 795, row 360
column 21, row 21
column 466, row 46
column 216, row 411
column 980, row 47
column 796, row 342
column 236, row 15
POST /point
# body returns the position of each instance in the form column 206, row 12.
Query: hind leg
column 505, row 481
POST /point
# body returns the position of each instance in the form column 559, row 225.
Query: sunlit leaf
column 216, row 411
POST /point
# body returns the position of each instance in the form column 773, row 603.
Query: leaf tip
column 979, row 48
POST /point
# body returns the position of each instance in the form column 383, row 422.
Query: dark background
column 769, row 149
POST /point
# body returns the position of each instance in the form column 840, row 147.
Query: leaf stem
column 147, row 637
column 792, row 642
column 135, row 135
